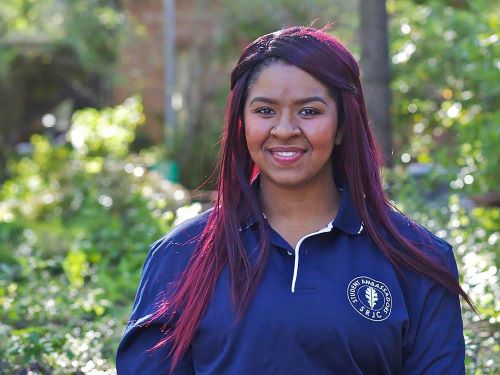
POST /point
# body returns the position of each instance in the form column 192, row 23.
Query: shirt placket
column 278, row 241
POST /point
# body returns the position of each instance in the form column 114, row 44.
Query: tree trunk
column 375, row 71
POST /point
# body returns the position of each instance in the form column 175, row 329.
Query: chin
column 287, row 180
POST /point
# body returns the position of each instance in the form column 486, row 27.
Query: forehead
column 280, row 80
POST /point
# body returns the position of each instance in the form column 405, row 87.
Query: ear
column 339, row 135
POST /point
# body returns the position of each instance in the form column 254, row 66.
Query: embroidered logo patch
column 370, row 298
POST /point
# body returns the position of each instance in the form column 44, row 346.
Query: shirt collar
column 347, row 219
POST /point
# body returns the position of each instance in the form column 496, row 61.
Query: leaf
column 372, row 296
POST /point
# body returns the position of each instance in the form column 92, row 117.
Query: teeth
column 285, row 154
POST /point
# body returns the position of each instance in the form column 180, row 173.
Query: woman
column 303, row 266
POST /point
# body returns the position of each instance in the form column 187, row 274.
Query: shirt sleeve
column 134, row 358
column 134, row 355
column 437, row 342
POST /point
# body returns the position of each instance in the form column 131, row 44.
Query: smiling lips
column 286, row 155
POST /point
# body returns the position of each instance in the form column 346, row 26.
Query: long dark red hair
column 356, row 160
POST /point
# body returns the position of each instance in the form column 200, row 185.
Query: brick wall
column 140, row 65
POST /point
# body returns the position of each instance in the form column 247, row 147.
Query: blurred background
column 110, row 118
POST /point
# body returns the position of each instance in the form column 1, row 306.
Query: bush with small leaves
column 75, row 223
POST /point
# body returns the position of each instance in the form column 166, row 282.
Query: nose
column 285, row 128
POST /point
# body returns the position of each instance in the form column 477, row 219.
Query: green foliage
column 106, row 132
column 445, row 68
column 445, row 64
column 474, row 234
column 50, row 52
column 88, row 27
column 75, row 222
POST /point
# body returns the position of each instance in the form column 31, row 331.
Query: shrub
column 474, row 233
column 76, row 220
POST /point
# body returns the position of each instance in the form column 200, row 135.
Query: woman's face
column 291, row 127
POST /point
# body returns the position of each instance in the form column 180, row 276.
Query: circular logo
column 370, row 298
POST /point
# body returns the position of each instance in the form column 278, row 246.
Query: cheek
column 255, row 135
column 321, row 137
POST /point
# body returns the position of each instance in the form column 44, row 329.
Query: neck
column 291, row 205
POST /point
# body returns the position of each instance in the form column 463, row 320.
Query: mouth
column 286, row 155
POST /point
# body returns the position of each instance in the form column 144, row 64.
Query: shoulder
column 427, row 242
column 170, row 254
column 432, row 336
column 186, row 232
column 182, row 239
column 165, row 262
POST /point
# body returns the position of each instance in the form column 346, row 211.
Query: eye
column 266, row 111
column 309, row 112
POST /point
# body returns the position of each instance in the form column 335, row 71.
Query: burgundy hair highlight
column 357, row 160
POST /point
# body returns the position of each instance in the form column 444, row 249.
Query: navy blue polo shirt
column 332, row 305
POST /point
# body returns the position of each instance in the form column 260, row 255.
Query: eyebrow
column 299, row 101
